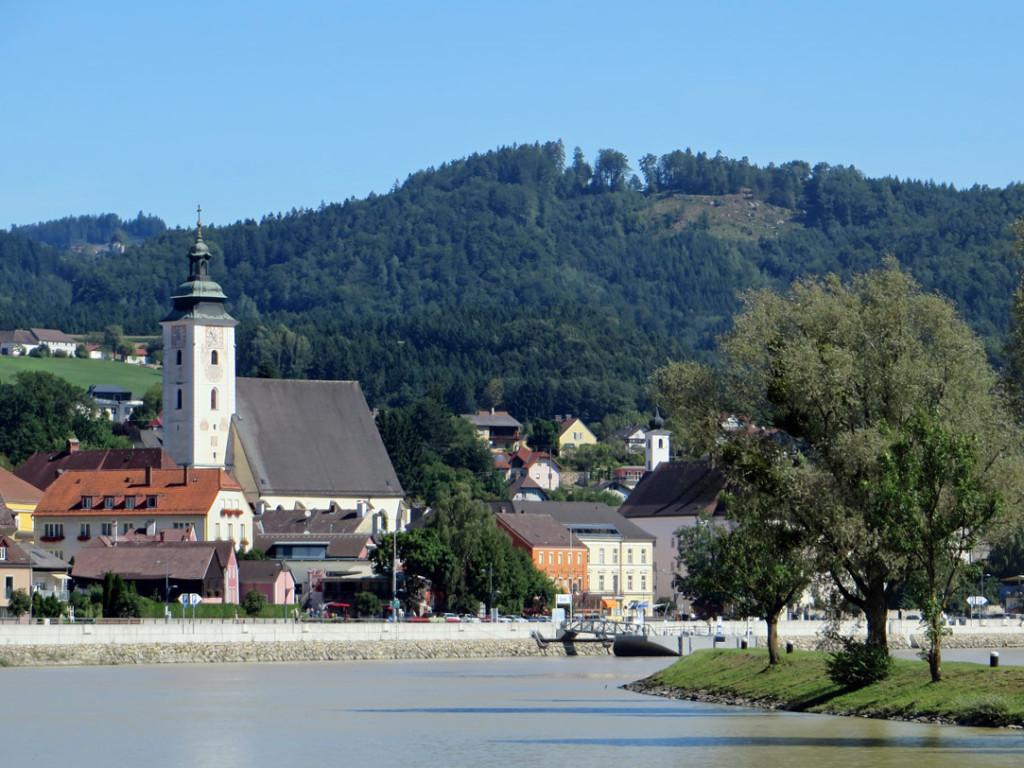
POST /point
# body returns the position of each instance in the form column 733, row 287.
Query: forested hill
column 527, row 279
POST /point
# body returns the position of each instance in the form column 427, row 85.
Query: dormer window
column 3, row 553
column 87, row 502
column 129, row 502
column 108, row 502
column 150, row 502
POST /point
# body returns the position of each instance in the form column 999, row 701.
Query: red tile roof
column 41, row 469
column 187, row 490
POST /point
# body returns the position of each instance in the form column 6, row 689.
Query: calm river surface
column 502, row 712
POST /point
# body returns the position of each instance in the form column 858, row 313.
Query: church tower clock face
column 178, row 336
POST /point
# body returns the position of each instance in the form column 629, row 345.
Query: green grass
column 969, row 694
column 84, row 373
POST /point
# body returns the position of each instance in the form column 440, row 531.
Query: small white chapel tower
column 658, row 448
column 199, row 366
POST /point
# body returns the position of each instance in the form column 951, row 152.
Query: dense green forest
column 525, row 278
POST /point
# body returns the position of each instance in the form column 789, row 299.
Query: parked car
column 451, row 618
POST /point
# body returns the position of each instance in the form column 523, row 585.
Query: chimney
column 184, row 470
column 149, row 476
column 72, row 445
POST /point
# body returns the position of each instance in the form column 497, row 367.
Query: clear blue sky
column 257, row 107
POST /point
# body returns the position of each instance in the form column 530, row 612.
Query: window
column 629, row 582
column 643, row 556
column 8, row 586
column 216, row 531
column 108, row 502
column 87, row 502
column 559, row 558
column 213, row 357
column 177, row 403
column 3, row 553
column 643, row 582
column 213, row 399
column 629, row 555
column 177, row 357
column 84, row 531
column 106, row 529
column 150, row 502
column 53, row 530
column 600, row 582
column 540, row 559
column 126, row 529
column 579, row 558
column 600, row 556
column 129, row 502
column 615, row 555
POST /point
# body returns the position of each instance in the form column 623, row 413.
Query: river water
column 460, row 713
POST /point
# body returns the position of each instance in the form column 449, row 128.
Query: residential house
column 18, row 500
column 15, row 571
column 553, row 548
column 525, row 488
column 326, row 551
column 82, row 505
column 28, row 568
column 163, row 569
column 271, row 578
column 540, row 466
column 574, row 433
column 20, row 342
column 44, row 467
column 501, row 432
column 116, row 402
column 628, row 476
column 620, row 571
column 671, row 497
column 631, row 437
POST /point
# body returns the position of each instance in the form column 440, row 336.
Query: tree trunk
column 876, row 611
column 773, row 639
column 935, row 650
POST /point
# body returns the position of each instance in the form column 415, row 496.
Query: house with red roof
column 82, row 505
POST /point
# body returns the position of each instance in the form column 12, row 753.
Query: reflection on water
column 536, row 712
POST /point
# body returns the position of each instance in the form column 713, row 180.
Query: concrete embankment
column 230, row 642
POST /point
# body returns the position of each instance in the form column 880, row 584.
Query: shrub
column 857, row 664
column 253, row 602
column 984, row 710
column 19, row 603
column 366, row 604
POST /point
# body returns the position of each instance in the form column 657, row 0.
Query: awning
column 63, row 576
column 606, row 603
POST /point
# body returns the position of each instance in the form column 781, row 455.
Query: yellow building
column 574, row 433
column 18, row 500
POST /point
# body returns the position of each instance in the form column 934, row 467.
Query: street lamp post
column 167, row 586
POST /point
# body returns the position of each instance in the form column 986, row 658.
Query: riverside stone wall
column 278, row 651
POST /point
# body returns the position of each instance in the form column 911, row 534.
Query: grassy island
column 968, row 694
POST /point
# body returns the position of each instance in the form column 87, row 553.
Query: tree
column 152, row 404
column 19, row 603
column 610, row 170
column 39, row 412
column 761, row 560
column 253, row 602
column 835, row 367
column 933, row 491
column 544, row 435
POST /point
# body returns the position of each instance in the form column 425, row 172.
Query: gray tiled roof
column 311, row 437
column 676, row 489
column 576, row 514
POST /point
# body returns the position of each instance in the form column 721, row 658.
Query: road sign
column 977, row 601
column 190, row 598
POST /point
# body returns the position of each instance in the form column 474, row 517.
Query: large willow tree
column 840, row 368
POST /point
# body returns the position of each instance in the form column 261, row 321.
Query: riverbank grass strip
column 968, row 694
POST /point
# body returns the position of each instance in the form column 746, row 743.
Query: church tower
column 658, row 442
column 199, row 366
